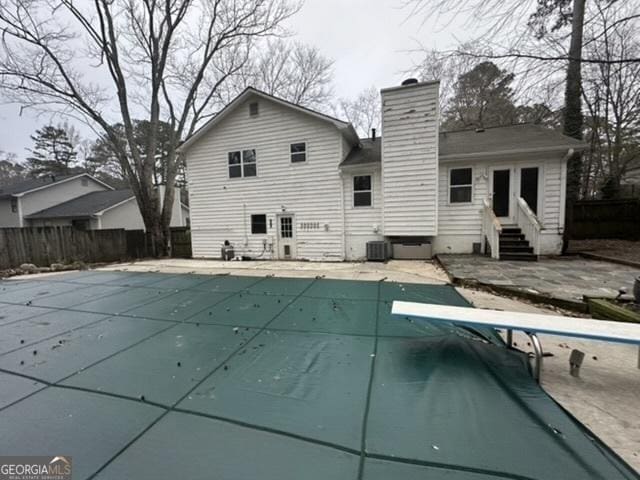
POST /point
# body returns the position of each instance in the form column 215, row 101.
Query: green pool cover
column 146, row 375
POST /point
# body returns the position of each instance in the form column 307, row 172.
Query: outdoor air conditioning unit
column 377, row 251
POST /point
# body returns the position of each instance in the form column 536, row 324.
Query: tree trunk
column 573, row 120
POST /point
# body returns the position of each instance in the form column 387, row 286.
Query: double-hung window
column 460, row 185
column 242, row 164
column 298, row 152
column 362, row 191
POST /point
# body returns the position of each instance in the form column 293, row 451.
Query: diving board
column 529, row 323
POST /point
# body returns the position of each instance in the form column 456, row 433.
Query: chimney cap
column 409, row 81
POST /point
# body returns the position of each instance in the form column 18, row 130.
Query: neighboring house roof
column 525, row 137
column 88, row 205
column 492, row 141
column 25, row 186
column 345, row 127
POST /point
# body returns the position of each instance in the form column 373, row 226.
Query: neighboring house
column 21, row 199
column 103, row 210
column 79, row 200
column 278, row 180
column 630, row 185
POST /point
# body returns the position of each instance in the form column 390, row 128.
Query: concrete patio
column 567, row 278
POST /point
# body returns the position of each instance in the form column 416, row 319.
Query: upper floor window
column 242, row 164
column 84, row 182
column 362, row 191
column 14, row 205
column 460, row 185
column 298, row 152
column 253, row 109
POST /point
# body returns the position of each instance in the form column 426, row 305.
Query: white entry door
column 286, row 237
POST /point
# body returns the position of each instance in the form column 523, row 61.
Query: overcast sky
column 368, row 40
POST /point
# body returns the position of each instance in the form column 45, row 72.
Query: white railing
column 491, row 228
column 529, row 224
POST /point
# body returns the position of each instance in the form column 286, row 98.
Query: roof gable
column 23, row 187
column 344, row 127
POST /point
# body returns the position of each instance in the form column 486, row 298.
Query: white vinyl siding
column 221, row 208
column 362, row 224
column 410, row 159
column 460, row 224
column 8, row 218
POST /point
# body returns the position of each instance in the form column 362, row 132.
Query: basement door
column 286, row 237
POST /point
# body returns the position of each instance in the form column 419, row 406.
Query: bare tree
column 611, row 92
column 544, row 40
column 363, row 112
column 290, row 70
column 153, row 59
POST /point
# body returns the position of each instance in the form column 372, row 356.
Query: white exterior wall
column 126, row 215
column 460, row 225
column 221, row 207
column 362, row 224
column 410, row 159
column 7, row 217
column 57, row 193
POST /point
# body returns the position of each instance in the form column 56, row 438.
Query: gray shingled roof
column 500, row 139
column 367, row 152
column 84, row 206
column 469, row 142
column 30, row 184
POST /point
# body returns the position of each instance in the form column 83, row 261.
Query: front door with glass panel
column 501, row 193
column 286, row 237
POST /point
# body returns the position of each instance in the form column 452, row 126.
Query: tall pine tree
column 52, row 154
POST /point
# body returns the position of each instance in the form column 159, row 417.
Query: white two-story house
column 279, row 181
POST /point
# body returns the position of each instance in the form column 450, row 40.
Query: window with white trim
column 14, row 205
column 362, row 191
column 298, row 152
column 242, row 164
column 460, row 185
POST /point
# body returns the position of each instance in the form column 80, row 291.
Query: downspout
column 344, row 233
column 19, row 203
column 563, row 188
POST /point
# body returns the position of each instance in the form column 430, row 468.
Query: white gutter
column 477, row 155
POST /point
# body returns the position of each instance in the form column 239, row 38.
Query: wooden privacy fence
column 140, row 244
column 606, row 219
column 181, row 242
column 43, row 246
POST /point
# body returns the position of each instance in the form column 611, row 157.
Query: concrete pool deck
column 608, row 376
column 567, row 279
